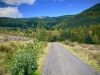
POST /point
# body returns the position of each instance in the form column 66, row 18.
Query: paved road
column 60, row 61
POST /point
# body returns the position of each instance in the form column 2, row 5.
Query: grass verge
column 41, row 60
column 92, row 57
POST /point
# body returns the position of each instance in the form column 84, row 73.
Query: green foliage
column 41, row 31
column 33, row 35
column 64, row 35
column 8, row 49
column 5, row 48
column 53, row 36
column 21, row 34
column 88, row 39
column 95, row 39
column 24, row 23
column 74, row 35
column 24, row 62
column 95, row 30
column 81, row 34
column 88, row 17
column 86, row 27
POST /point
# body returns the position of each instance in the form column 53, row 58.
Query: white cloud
column 10, row 12
column 18, row 2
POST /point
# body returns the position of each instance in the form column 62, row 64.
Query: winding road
column 60, row 61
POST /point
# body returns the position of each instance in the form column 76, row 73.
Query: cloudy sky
column 37, row 8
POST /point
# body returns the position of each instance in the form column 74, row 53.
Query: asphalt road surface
column 60, row 61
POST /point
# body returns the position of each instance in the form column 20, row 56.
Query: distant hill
column 88, row 17
column 48, row 22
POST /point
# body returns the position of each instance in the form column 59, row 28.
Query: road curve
column 60, row 61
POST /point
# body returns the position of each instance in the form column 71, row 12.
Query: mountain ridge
column 87, row 17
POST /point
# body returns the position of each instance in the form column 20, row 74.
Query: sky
column 38, row 8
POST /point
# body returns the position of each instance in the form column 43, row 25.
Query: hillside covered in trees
column 83, row 27
column 48, row 22
column 86, row 18
column 24, row 42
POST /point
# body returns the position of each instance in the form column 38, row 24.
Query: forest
column 83, row 28
column 24, row 23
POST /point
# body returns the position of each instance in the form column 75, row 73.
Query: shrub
column 25, row 62
column 45, row 44
column 88, row 40
column 5, row 48
column 95, row 39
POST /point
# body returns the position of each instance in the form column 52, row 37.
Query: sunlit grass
column 86, row 53
column 41, row 60
column 6, row 50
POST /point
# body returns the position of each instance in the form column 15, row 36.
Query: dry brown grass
column 6, row 51
column 88, row 52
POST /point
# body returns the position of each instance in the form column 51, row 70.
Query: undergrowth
column 22, row 58
column 89, row 53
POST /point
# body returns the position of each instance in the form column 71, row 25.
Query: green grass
column 6, row 51
column 7, row 47
column 37, row 73
column 41, row 60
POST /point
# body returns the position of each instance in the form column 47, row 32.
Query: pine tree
column 88, row 39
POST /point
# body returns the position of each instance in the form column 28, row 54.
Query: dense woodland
column 24, row 23
column 86, row 18
column 21, row 57
column 83, row 27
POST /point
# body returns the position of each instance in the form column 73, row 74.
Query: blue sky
column 38, row 8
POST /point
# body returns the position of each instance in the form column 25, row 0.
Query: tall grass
column 41, row 59
column 89, row 53
column 24, row 61
column 6, row 51
column 5, row 48
column 22, row 57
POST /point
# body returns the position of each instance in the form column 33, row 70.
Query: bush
column 25, row 61
column 23, row 64
column 45, row 44
column 95, row 39
column 5, row 48
column 88, row 40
